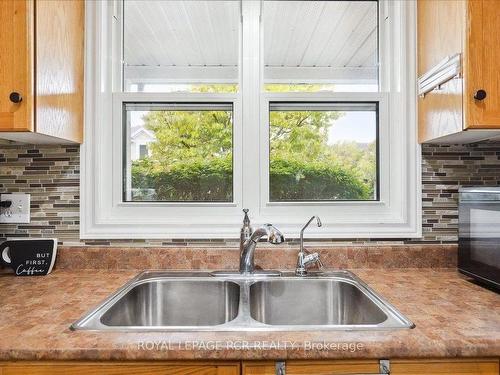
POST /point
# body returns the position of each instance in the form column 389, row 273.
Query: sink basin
column 312, row 302
column 201, row 301
column 175, row 303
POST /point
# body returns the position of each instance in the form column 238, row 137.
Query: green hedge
column 291, row 180
column 193, row 181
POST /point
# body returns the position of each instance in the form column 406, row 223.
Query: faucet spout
column 303, row 258
column 273, row 235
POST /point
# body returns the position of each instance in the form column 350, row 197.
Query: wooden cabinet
column 482, row 68
column 445, row 367
column 457, row 109
column 120, row 368
column 320, row 367
column 471, row 366
column 41, row 70
column 397, row 367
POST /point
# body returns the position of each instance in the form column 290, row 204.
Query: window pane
column 143, row 151
column 312, row 46
column 181, row 46
column 178, row 152
column 323, row 151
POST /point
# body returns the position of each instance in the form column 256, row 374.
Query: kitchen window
column 322, row 152
column 320, row 46
column 288, row 108
column 191, row 157
column 179, row 45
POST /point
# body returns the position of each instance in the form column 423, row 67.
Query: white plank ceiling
column 195, row 38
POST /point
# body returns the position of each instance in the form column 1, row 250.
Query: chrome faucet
column 304, row 259
column 247, row 245
column 246, row 230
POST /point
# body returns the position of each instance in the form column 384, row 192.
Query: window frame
column 104, row 214
column 122, row 99
column 383, row 170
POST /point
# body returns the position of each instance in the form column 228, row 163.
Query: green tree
column 189, row 136
column 314, row 169
column 360, row 159
column 300, row 134
column 192, row 157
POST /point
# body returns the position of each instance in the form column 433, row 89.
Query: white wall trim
column 104, row 215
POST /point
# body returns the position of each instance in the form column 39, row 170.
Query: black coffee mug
column 29, row 257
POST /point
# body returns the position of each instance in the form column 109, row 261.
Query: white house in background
column 140, row 138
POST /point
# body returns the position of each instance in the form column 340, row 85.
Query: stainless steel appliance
column 479, row 234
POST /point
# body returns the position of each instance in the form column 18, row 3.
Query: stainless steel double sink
column 201, row 301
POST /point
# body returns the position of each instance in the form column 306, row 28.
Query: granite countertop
column 453, row 317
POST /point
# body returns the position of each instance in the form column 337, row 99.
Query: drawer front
column 119, row 368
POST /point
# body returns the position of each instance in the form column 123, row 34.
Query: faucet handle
column 274, row 236
column 310, row 259
column 246, row 219
column 304, row 259
column 319, row 263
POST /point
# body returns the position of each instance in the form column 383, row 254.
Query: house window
column 322, row 151
column 197, row 109
column 191, row 157
column 320, row 46
column 143, row 151
column 180, row 45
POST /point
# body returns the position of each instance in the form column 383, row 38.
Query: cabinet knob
column 480, row 95
column 15, row 97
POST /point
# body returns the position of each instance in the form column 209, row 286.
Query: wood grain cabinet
column 445, row 367
column 321, row 367
column 41, row 70
column 471, row 366
column 462, row 107
column 120, row 368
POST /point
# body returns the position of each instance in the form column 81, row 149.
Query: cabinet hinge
column 280, row 368
column 384, row 367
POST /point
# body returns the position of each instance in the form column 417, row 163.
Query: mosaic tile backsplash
column 51, row 175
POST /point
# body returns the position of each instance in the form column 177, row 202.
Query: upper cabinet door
column 440, row 28
column 59, row 39
column 16, row 65
column 440, row 31
column 482, row 75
